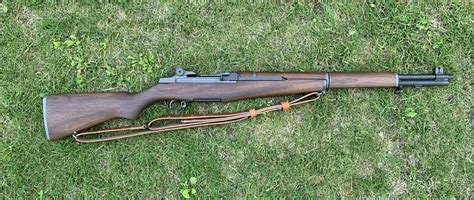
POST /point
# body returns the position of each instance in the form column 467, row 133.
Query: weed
column 189, row 188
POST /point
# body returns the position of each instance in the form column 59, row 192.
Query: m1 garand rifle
column 71, row 114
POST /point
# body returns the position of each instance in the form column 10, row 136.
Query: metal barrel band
column 190, row 121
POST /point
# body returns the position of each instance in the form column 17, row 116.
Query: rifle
column 69, row 114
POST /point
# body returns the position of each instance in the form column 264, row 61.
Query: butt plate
column 45, row 118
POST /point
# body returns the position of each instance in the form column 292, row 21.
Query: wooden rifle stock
column 65, row 114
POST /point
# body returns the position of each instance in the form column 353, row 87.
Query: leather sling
column 189, row 121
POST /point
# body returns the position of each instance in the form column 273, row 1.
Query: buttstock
column 66, row 113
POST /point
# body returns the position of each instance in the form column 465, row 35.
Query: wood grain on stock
column 67, row 113
column 358, row 80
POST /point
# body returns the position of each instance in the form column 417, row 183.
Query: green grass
column 351, row 143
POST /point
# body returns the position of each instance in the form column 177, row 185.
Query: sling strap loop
column 285, row 106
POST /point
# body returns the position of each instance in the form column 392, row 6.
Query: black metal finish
column 183, row 76
column 438, row 78
column 174, row 106
column 236, row 77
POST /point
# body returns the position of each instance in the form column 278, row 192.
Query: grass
column 351, row 143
